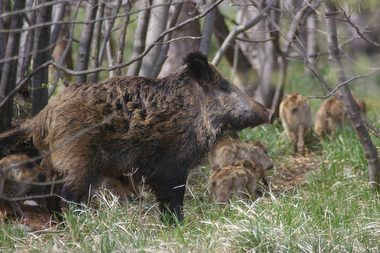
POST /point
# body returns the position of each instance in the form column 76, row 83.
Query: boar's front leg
column 171, row 202
column 82, row 170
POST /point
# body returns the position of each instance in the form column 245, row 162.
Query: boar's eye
column 225, row 88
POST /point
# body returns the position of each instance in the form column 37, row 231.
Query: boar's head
column 225, row 105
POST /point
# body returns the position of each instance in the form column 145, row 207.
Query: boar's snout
column 262, row 114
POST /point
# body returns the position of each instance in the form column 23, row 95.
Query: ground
column 288, row 172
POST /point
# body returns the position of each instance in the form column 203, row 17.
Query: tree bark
column 157, row 25
column 140, row 37
column 311, row 39
column 4, row 5
column 58, row 13
column 270, row 71
column 179, row 49
column 95, row 46
column 8, row 77
column 26, row 50
column 345, row 97
column 245, row 75
column 107, row 35
column 41, row 55
column 85, row 40
column 123, row 33
column 166, row 45
column 207, row 29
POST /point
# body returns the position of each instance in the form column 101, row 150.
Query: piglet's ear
column 198, row 66
column 248, row 164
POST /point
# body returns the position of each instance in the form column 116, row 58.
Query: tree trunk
column 245, row 75
column 157, row 25
column 207, row 29
column 270, row 71
column 179, row 49
column 8, row 77
column 345, row 97
column 140, row 37
column 311, row 41
column 3, row 36
column 166, row 45
column 26, row 50
column 85, row 40
column 42, row 54
column 107, row 35
column 123, row 33
column 58, row 12
column 95, row 46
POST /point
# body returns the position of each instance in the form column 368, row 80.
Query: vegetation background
column 320, row 202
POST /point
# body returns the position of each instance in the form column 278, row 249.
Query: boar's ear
column 198, row 66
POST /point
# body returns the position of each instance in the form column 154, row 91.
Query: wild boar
column 155, row 129
column 332, row 114
column 295, row 114
column 16, row 176
column 121, row 187
column 227, row 152
column 239, row 179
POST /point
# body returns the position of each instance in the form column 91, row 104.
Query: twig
column 239, row 29
column 376, row 131
column 344, row 83
column 26, row 79
column 348, row 20
column 180, row 38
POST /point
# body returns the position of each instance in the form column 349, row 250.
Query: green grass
column 331, row 210
column 326, row 206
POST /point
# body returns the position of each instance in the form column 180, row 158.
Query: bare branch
column 239, row 29
column 375, row 131
column 333, row 91
column 23, row 82
column 361, row 35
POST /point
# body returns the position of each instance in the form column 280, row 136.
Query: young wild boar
column 239, row 179
column 228, row 152
column 121, row 187
column 295, row 114
column 15, row 180
column 333, row 114
column 155, row 129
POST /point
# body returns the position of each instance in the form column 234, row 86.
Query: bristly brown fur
column 159, row 129
column 332, row 114
column 228, row 152
column 15, row 181
column 295, row 114
column 239, row 179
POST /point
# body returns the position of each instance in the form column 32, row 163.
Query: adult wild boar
column 154, row 130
